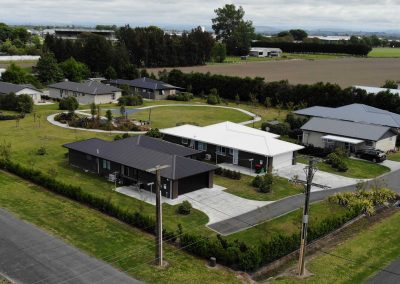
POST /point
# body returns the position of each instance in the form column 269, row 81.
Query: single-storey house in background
column 265, row 52
column 353, row 127
column 27, row 89
column 130, row 158
column 148, row 88
column 86, row 93
column 376, row 90
column 236, row 144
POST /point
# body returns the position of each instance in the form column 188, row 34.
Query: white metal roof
column 342, row 139
column 235, row 136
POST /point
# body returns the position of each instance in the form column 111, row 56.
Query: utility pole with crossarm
column 310, row 171
column 159, row 250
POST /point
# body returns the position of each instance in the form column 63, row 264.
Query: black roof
column 144, row 83
column 6, row 88
column 90, row 87
column 144, row 153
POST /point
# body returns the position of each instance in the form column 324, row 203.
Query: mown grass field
column 290, row 223
column 357, row 259
column 281, row 188
column 385, row 52
column 357, row 168
column 105, row 238
column 394, row 157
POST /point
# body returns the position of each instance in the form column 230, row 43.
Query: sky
column 365, row 15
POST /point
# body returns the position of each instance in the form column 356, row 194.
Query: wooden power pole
column 310, row 171
column 159, row 250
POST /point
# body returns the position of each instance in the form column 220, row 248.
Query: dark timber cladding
column 130, row 158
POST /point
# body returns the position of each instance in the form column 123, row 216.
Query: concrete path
column 217, row 204
column 322, row 180
column 291, row 203
column 389, row 275
column 51, row 120
column 30, row 255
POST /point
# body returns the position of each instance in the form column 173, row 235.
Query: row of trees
column 18, row 41
column 281, row 93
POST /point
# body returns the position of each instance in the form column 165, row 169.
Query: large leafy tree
column 230, row 27
column 16, row 75
column 299, row 34
column 48, row 69
column 74, row 70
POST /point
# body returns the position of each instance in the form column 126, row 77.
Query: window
column 184, row 141
column 106, row 165
column 231, row 151
column 201, row 146
column 221, row 150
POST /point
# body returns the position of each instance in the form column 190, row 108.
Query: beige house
column 86, row 93
column 27, row 89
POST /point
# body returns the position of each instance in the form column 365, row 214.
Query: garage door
column 282, row 160
column 192, row 183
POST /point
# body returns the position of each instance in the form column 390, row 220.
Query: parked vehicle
column 376, row 156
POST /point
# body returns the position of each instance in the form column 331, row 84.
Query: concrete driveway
column 322, row 180
column 215, row 202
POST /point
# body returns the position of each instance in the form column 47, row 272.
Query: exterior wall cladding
column 243, row 157
column 129, row 175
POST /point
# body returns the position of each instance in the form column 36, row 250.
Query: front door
column 235, row 157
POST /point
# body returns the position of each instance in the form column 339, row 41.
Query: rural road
column 286, row 205
column 390, row 275
column 30, row 255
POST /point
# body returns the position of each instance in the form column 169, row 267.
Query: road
column 284, row 206
column 390, row 275
column 30, row 255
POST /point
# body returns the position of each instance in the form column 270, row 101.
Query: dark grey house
column 129, row 159
column 148, row 88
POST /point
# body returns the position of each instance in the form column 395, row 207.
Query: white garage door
column 282, row 160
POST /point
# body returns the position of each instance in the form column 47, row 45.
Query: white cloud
column 351, row 14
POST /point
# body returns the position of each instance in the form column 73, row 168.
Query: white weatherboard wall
column 282, row 160
column 35, row 95
column 386, row 144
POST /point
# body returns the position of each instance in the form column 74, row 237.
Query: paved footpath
column 286, row 205
column 391, row 275
column 30, row 255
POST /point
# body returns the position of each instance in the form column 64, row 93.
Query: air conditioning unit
column 207, row 157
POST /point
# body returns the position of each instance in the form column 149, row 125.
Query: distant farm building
column 265, row 52
column 74, row 34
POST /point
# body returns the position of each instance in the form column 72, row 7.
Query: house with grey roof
column 86, row 93
column 353, row 127
column 19, row 89
column 148, row 88
column 130, row 158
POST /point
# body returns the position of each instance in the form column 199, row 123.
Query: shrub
column 184, row 97
column 315, row 151
column 266, row 184
column 228, row 173
column 342, row 166
column 256, row 182
column 130, row 100
column 155, row 133
column 213, row 100
column 184, row 208
column 68, row 103
column 41, row 151
column 280, row 129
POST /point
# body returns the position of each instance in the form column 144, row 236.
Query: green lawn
column 280, row 189
column 357, row 168
column 369, row 251
column 164, row 117
column 394, row 157
column 124, row 247
column 385, row 52
column 288, row 224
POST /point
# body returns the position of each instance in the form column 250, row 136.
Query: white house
column 265, row 52
column 354, row 127
column 86, row 93
column 236, row 144
column 27, row 89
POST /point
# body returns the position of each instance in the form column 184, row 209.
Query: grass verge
column 385, row 52
column 102, row 236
